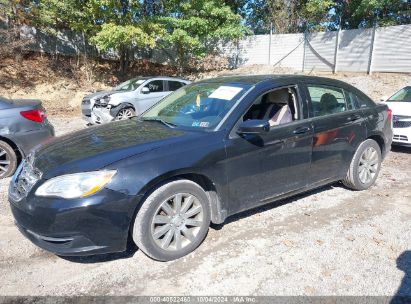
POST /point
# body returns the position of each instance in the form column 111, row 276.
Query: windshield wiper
column 167, row 123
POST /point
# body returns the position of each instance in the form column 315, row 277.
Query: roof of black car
column 254, row 79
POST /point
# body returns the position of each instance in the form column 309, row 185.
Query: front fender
column 139, row 175
column 115, row 109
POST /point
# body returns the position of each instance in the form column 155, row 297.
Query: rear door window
column 326, row 100
column 174, row 85
column 360, row 101
column 351, row 100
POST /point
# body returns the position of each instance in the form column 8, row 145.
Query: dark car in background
column 23, row 125
column 209, row 150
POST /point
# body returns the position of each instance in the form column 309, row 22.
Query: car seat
column 278, row 111
column 329, row 104
column 273, row 102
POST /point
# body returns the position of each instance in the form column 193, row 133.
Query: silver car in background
column 23, row 125
column 128, row 99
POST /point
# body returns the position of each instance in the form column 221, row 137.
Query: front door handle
column 302, row 130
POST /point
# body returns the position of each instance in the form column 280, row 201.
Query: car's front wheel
column 125, row 113
column 173, row 220
column 364, row 167
column 8, row 160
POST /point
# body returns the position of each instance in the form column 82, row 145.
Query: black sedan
column 23, row 125
column 209, row 150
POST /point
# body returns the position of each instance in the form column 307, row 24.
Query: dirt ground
column 331, row 241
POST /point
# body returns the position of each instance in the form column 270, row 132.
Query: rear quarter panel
column 378, row 125
column 16, row 128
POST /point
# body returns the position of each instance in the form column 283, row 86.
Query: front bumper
column 101, row 115
column 402, row 136
column 88, row 119
column 93, row 225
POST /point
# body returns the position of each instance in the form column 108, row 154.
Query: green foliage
column 363, row 13
column 298, row 15
column 113, row 36
column 315, row 14
column 194, row 26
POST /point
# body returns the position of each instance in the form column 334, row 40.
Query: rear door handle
column 302, row 130
column 354, row 117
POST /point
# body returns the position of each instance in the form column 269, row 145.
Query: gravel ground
column 329, row 242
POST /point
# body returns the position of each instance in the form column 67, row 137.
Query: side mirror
column 384, row 98
column 145, row 90
column 253, row 126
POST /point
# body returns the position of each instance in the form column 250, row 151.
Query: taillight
column 34, row 115
column 389, row 112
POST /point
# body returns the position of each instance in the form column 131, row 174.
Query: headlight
column 105, row 100
column 76, row 185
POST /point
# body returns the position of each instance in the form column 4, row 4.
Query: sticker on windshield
column 201, row 124
column 225, row 92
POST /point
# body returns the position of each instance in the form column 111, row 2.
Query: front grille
column 400, row 137
column 24, row 180
column 402, row 124
column 100, row 103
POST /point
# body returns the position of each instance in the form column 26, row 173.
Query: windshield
column 199, row 105
column 402, row 95
column 130, row 85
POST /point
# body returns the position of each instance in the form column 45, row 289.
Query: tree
column 117, row 25
column 12, row 14
column 363, row 13
column 195, row 27
column 258, row 16
column 283, row 15
column 124, row 37
column 317, row 15
column 298, row 15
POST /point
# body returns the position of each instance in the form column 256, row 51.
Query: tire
column 8, row 160
column 171, row 236
column 125, row 113
column 362, row 179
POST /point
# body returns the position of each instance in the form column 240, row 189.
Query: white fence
column 385, row 49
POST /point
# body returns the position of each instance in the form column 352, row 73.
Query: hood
column 400, row 108
column 97, row 147
column 104, row 93
column 99, row 94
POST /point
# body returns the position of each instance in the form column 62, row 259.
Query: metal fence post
column 304, row 47
column 269, row 43
column 337, row 42
column 369, row 70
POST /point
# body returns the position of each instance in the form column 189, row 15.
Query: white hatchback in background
column 400, row 105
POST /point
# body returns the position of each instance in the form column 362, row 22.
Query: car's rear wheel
column 173, row 220
column 364, row 167
column 125, row 113
column 8, row 160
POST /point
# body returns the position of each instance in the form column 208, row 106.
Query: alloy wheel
column 125, row 114
column 4, row 162
column 368, row 165
column 177, row 222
